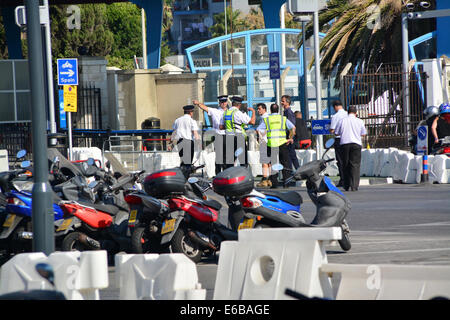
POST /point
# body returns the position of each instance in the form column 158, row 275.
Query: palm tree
column 367, row 32
column 234, row 23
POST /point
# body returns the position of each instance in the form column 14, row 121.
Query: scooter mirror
column 277, row 167
column 329, row 143
column 21, row 154
column 90, row 161
column 25, row 164
column 46, row 271
column 238, row 152
column 193, row 180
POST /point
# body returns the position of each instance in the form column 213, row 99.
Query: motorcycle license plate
column 9, row 220
column 132, row 218
column 168, row 226
column 246, row 224
column 64, row 225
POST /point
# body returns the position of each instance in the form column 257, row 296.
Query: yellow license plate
column 132, row 218
column 246, row 224
column 9, row 220
column 66, row 223
column 168, row 226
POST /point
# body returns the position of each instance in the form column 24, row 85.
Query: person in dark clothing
column 302, row 139
column 441, row 125
column 289, row 114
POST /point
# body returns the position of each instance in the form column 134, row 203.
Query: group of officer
column 230, row 135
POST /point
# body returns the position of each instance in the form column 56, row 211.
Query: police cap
column 222, row 98
column 189, row 108
column 237, row 99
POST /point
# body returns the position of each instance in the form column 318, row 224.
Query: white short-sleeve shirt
column 350, row 129
column 338, row 116
column 184, row 126
column 216, row 118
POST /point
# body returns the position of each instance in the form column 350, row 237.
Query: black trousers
column 293, row 157
column 339, row 155
column 283, row 157
column 186, row 150
column 232, row 143
column 351, row 165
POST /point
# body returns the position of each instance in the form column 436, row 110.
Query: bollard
column 424, row 176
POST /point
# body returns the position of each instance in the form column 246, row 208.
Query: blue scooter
column 282, row 209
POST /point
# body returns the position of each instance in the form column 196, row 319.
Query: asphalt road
column 390, row 224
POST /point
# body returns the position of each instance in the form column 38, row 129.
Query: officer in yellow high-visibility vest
column 275, row 126
column 232, row 122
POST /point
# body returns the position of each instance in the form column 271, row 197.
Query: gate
column 378, row 95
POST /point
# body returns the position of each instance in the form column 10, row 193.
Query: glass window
column 6, row 82
column 233, row 51
column 212, row 83
column 425, row 49
column 7, row 107
column 290, row 45
column 291, row 83
column 22, row 79
column 260, row 52
column 207, row 57
column 263, row 85
column 23, row 106
column 237, row 83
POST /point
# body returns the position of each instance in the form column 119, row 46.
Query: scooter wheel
column 345, row 241
column 71, row 242
column 181, row 243
column 141, row 241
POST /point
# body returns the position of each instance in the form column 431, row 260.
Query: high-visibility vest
column 230, row 125
column 276, row 130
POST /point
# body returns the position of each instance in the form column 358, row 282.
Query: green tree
column 363, row 31
column 234, row 23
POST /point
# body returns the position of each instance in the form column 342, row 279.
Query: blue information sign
column 274, row 65
column 319, row 127
column 67, row 72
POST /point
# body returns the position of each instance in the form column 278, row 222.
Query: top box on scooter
column 165, row 183
column 233, row 182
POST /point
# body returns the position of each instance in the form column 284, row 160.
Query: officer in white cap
column 233, row 123
column 185, row 131
column 216, row 115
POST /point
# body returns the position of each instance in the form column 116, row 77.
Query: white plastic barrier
column 390, row 282
column 264, row 262
column 78, row 275
column 157, row 277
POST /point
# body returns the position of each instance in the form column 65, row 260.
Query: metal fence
column 14, row 137
column 378, row 95
column 88, row 115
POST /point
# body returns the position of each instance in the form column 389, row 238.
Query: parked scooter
column 15, row 178
column 100, row 224
column 442, row 147
column 282, row 209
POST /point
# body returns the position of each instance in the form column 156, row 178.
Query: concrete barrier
column 157, row 277
column 78, row 275
column 389, row 282
column 264, row 262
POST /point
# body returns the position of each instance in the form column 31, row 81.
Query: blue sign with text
column 274, row 65
column 319, row 127
column 67, row 72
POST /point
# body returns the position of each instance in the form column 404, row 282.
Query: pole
column 42, row 208
column 319, row 138
column 69, row 131
column 144, row 39
column 405, row 78
column 51, row 95
column 305, row 73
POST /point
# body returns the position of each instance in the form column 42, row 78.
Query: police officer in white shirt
column 185, row 130
column 339, row 114
column 233, row 123
column 351, row 129
column 216, row 115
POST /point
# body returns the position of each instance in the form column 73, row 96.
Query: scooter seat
column 213, row 204
column 107, row 208
column 291, row 197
